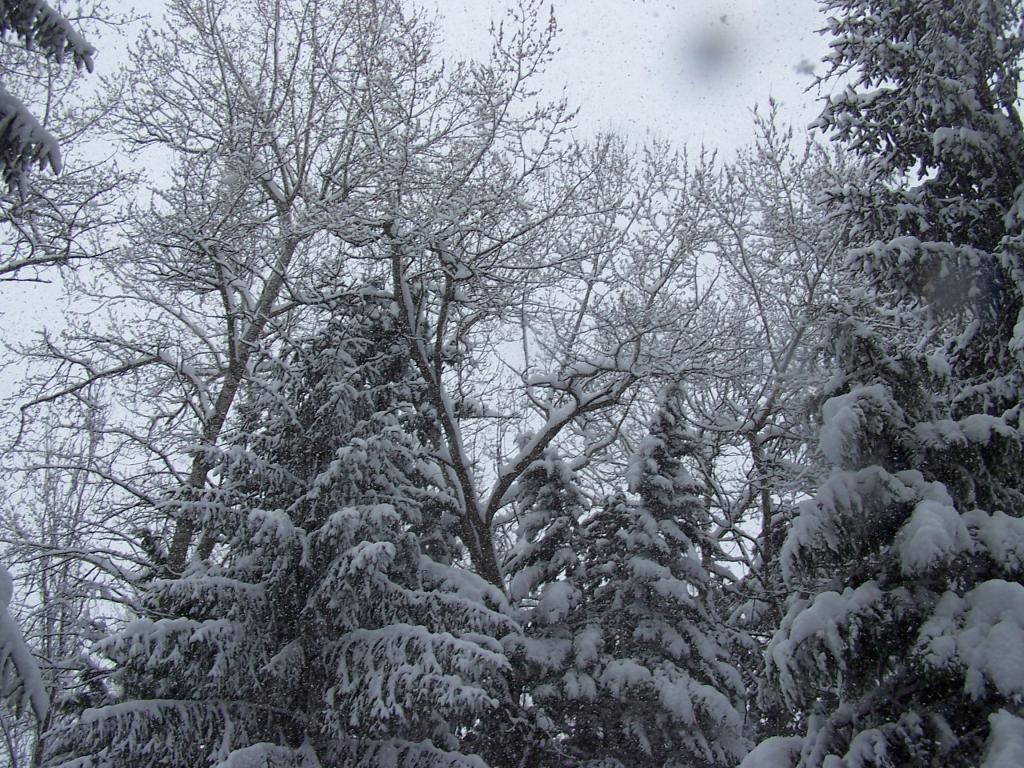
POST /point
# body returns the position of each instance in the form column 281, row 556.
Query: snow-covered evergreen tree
column 645, row 681
column 902, row 644
column 24, row 141
column 21, row 684
column 550, row 507
column 322, row 635
column 543, row 568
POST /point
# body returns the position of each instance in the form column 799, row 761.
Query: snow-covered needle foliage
column 325, row 635
column 631, row 672
column 24, row 142
column 904, row 636
column 21, row 684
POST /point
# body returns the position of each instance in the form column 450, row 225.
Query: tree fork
column 476, row 533
column 185, row 528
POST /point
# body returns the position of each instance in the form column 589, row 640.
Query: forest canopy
column 394, row 423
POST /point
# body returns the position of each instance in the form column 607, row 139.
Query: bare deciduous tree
column 321, row 149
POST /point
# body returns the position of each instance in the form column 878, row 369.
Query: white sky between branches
column 685, row 71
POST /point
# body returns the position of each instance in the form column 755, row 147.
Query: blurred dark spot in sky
column 804, row 67
column 711, row 53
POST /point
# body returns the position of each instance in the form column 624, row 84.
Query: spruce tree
column 549, row 506
column 543, row 569
column 319, row 633
column 902, row 640
column 644, row 680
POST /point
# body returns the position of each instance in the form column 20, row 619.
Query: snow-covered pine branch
column 24, row 142
column 21, row 684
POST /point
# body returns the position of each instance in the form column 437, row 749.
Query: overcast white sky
column 685, row 70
